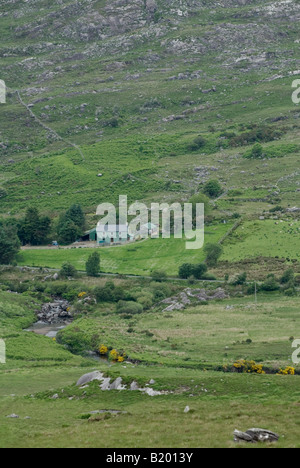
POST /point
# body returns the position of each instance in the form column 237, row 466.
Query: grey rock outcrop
column 189, row 296
column 116, row 384
column 55, row 312
column 91, row 376
column 255, row 435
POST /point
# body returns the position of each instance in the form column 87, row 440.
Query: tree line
column 36, row 229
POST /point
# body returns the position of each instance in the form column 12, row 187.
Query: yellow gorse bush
column 103, row 350
column 287, row 371
column 82, row 294
column 114, row 355
column 243, row 365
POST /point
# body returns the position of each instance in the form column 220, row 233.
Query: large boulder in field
column 90, row 377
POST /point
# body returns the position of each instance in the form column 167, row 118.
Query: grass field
column 252, row 239
column 209, row 335
column 125, row 90
column 268, row 238
column 182, row 345
column 138, row 258
column 226, row 402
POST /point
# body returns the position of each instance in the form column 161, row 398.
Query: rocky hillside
column 82, row 73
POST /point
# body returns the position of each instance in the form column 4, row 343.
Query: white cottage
column 112, row 234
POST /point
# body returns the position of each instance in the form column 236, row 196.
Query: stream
column 48, row 329
column 53, row 317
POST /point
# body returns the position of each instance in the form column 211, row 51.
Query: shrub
column 116, row 356
column 68, row 270
column 259, row 134
column 197, row 271
column 93, row 265
column 198, row 143
column 288, row 276
column 104, row 294
column 212, row 188
column 146, row 300
column 103, row 350
column 213, row 253
column 159, row 276
column 75, row 339
column 257, row 151
column 129, row 307
column 290, row 292
column 244, row 366
column 241, row 279
column 287, row 371
column 70, row 294
column 270, row 284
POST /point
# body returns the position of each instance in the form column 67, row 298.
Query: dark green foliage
column 9, row 244
column 257, row 151
column 71, row 225
column 75, row 339
column 34, row 229
column 212, row 188
column 288, row 276
column 200, row 198
column 93, row 264
column 198, row 143
column 67, row 231
column 241, row 279
column 159, row 276
column 270, row 284
column 129, row 307
column 105, row 293
column 187, row 270
column 257, row 134
column 199, row 270
column 213, row 253
column 68, row 270
column 75, row 214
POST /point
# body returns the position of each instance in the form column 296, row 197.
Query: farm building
column 89, row 236
column 113, row 234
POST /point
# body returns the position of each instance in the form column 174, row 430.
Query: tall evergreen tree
column 67, row 231
column 93, row 264
column 34, row 229
column 75, row 214
column 9, row 243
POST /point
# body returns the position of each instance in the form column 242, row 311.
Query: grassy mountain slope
column 131, row 84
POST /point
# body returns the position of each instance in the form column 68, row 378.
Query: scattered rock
column 116, row 384
column 86, row 378
column 13, row 416
column 55, row 312
column 255, row 435
column 134, row 386
column 186, row 297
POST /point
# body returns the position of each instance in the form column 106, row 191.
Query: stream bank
column 53, row 317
